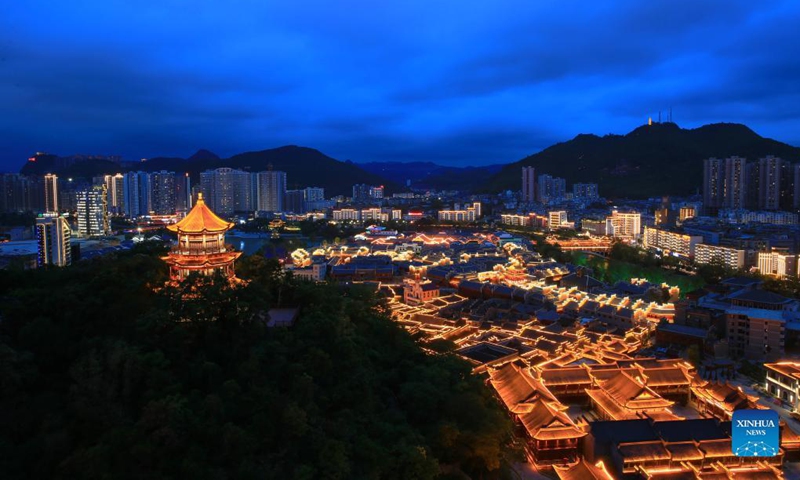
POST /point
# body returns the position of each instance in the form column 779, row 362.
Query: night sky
column 454, row 82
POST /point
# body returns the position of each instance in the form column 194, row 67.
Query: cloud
column 451, row 82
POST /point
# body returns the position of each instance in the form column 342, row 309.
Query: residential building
column 796, row 185
column 374, row 214
column 162, row 188
column 551, row 189
column 528, row 184
column 735, row 183
column 93, row 212
column 53, row 241
column 597, row 227
column 676, row 243
column 21, row 193
column 558, row 219
column 730, row 257
column 295, row 201
column 713, row 185
column 271, row 191
column 183, row 192
column 352, row 214
column 227, row 190
column 777, row 263
column 755, row 333
column 585, row 191
column 770, row 170
column 115, row 191
column 314, row 194
column 361, row 192
column 376, row 193
column 457, row 214
column 51, row 193
column 687, row 212
column 137, row 200
column 626, row 225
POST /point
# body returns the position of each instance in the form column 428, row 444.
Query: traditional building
column 720, row 400
column 623, row 397
column 552, row 438
column 201, row 245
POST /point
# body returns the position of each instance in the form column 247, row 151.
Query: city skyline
column 392, row 84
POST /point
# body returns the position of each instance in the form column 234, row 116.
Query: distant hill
column 432, row 175
column 651, row 160
column 303, row 166
column 203, row 154
column 309, row 167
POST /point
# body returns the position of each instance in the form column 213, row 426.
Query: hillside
column 651, row 160
column 432, row 175
column 193, row 386
column 304, row 167
column 308, row 167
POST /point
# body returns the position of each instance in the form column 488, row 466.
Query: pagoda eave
column 201, row 261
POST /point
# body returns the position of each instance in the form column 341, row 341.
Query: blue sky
column 454, row 82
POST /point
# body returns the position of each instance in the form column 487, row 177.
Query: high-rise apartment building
column 137, row 199
column 115, row 192
column 21, row 193
column 162, row 192
column 735, row 183
column 314, row 194
column 725, row 184
column 551, row 189
column 270, row 191
column 713, row 185
column 295, row 201
column 770, row 171
column 183, row 192
column 227, row 190
column 361, row 192
column 51, row 193
column 53, row 241
column 585, row 191
column 376, row 193
column 796, row 185
column 528, row 184
column 93, row 212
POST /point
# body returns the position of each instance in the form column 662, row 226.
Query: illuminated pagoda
column 201, row 245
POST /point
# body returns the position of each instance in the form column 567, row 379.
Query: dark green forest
column 107, row 373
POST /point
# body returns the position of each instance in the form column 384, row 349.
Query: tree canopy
column 107, row 373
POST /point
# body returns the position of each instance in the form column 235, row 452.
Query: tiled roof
column 201, row 219
column 583, row 471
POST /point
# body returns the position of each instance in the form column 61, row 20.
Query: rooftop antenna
column 659, row 116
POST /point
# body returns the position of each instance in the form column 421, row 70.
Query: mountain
column 432, row 175
column 303, row 166
column 203, row 154
column 652, row 160
column 309, row 167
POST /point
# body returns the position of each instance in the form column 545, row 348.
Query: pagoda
column 201, row 245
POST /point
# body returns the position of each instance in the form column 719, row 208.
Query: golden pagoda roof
column 201, row 220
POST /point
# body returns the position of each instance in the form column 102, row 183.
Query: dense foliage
column 104, row 376
column 660, row 159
